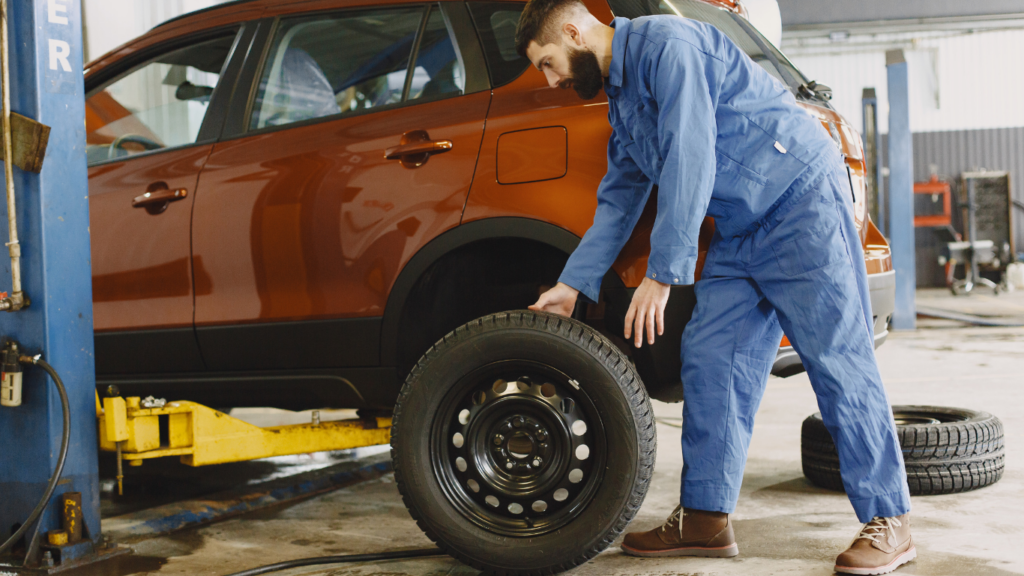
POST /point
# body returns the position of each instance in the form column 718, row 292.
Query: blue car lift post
column 52, row 209
column 900, row 192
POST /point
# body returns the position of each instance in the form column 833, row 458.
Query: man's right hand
column 560, row 300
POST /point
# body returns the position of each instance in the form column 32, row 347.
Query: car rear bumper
column 882, row 288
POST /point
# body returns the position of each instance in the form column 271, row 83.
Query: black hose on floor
column 65, row 437
column 399, row 555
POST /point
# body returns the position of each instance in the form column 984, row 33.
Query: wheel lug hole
column 498, row 439
column 517, row 422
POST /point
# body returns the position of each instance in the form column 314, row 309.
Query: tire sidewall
column 421, row 402
column 943, row 458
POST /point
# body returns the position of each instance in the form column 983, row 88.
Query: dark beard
column 586, row 79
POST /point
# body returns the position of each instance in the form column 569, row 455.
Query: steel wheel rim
column 509, row 452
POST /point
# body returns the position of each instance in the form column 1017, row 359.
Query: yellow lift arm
column 202, row 435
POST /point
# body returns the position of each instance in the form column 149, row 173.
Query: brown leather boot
column 686, row 533
column 881, row 547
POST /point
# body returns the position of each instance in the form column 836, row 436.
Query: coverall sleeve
column 680, row 77
column 620, row 201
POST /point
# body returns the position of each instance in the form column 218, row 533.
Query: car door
column 356, row 146
column 148, row 133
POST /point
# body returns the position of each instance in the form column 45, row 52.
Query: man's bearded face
column 586, row 78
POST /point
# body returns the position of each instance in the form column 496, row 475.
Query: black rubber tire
column 964, row 451
column 608, row 380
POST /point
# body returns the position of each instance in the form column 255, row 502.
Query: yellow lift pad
column 202, row 435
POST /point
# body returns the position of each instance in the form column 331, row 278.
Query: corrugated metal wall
column 963, row 150
column 949, row 153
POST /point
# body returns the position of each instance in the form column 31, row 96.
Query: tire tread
column 602, row 350
column 940, row 459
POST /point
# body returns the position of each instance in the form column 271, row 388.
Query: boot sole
column 899, row 561
column 701, row 552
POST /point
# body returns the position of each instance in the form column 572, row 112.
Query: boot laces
column 677, row 516
column 879, row 527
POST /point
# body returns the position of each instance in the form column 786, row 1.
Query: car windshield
column 732, row 25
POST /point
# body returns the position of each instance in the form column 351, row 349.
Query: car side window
column 496, row 23
column 438, row 69
column 158, row 104
column 346, row 63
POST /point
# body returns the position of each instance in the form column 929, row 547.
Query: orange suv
column 308, row 203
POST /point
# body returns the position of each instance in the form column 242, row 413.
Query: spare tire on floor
column 946, row 450
column 523, row 443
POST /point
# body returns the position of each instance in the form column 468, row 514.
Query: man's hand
column 561, row 300
column 647, row 309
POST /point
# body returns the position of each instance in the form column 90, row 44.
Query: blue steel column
column 53, row 221
column 901, row 191
column 869, row 101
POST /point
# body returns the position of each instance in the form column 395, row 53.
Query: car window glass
column 438, row 69
column 325, row 65
column 781, row 59
column 696, row 10
column 160, row 104
column 496, row 23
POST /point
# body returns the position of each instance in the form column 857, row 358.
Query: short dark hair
column 538, row 22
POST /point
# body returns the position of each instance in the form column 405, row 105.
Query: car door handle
column 415, row 148
column 429, row 147
column 155, row 201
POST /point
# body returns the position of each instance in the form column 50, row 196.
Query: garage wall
column 959, row 79
column 965, row 98
column 110, row 23
column 814, row 12
column 953, row 152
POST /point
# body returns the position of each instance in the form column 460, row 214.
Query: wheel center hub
column 521, row 445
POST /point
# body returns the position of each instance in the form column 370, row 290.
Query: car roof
column 731, row 4
column 201, row 11
column 234, row 12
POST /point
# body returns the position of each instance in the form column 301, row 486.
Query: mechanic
column 718, row 135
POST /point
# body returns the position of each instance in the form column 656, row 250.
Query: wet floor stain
column 790, row 537
column 790, row 485
column 123, row 566
column 929, row 563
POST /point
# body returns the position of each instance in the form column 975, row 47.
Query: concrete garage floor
column 783, row 524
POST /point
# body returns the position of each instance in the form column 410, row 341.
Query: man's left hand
column 647, row 310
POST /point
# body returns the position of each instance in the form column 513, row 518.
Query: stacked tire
column 946, row 450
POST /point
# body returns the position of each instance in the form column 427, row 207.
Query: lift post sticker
column 60, row 17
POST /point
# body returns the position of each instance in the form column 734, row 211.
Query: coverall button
column 654, row 275
column 676, row 280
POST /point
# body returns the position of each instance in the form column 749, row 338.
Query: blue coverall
column 693, row 114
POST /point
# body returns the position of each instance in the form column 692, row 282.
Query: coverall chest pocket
column 637, row 122
column 731, row 176
column 644, row 129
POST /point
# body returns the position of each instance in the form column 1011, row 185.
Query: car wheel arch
column 514, row 230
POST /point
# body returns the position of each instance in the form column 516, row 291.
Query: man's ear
column 572, row 34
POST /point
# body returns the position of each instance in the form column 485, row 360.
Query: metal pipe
column 16, row 300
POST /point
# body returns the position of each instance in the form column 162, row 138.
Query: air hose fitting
column 10, row 357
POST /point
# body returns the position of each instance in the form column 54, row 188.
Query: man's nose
column 552, row 78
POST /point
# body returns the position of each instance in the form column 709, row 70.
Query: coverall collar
column 622, row 27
